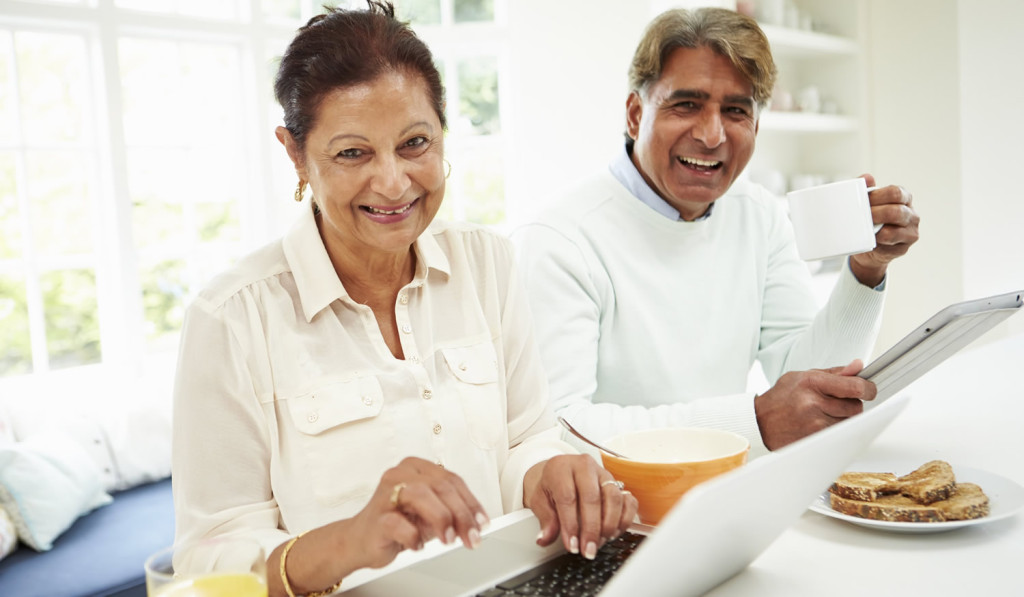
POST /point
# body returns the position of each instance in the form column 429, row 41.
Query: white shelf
column 796, row 143
column 803, row 122
column 802, row 43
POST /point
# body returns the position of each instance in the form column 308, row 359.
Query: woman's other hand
column 575, row 496
column 415, row 502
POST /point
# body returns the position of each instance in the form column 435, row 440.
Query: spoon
column 573, row 431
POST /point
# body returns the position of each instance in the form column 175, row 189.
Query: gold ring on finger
column 395, row 492
column 614, row 482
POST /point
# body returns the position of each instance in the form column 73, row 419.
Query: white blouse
column 288, row 405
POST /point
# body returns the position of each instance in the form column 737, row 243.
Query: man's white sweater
column 647, row 322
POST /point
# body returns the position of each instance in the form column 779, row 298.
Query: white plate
column 1005, row 498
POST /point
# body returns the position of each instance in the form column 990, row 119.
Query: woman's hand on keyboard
column 574, row 497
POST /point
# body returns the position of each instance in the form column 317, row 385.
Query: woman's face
column 374, row 161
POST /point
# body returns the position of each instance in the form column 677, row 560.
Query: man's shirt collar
column 623, row 169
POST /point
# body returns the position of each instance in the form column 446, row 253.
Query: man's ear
column 634, row 112
column 292, row 147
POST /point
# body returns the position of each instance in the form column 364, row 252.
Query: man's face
column 693, row 129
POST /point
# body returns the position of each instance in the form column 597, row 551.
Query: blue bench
column 102, row 554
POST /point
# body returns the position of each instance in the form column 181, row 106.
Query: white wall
column 568, row 91
column 992, row 146
column 941, row 73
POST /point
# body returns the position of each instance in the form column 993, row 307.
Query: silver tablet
column 940, row 337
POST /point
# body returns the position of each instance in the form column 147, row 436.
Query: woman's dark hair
column 342, row 48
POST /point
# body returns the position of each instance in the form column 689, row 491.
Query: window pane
column 146, row 5
column 158, row 223
column 8, row 113
column 179, row 94
column 62, row 222
column 218, row 222
column 16, row 348
column 150, row 92
column 163, row 301
column 160, row 196
column 10, row 225
column 474, row 10
column 287, row 11
column 482, row 185
column 210, row 9
column 419, row 12
column 72, row 324
column 478, row 96
column 52, row 72
column 187, row 156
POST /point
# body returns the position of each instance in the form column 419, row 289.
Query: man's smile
column 698, row 164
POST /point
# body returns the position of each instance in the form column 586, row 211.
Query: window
column 468, row 40
column 49, row 161
column 137, row 159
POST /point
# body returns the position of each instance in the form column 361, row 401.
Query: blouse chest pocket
column 337, row 404
column 343, row 437
column 475, row 369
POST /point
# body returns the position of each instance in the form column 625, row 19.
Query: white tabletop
column 968, row 411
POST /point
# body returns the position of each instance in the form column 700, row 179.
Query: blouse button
column 403, row 298
column 437, row 428
column 462, row 366
column 312, row 418
column 407, row 328
column 367, row 400
column 427, row 394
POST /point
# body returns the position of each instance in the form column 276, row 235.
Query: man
column 658, row 283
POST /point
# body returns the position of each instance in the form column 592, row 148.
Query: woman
column 366, row 383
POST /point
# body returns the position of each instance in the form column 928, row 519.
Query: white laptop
column 714, row 532
column 935, row 340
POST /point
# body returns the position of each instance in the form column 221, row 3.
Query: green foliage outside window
column 419, row 12
column 10, row 224
column 163, row 298
column 16, row 348
column 478, row 94
column 72, row 320
column 467, row 11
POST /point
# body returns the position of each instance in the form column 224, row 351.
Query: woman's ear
column 292, row 147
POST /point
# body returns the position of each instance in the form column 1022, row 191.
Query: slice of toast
column 968, row 501
column 931, row 482
column 863, row 487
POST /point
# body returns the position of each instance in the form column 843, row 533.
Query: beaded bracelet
column 284, row 574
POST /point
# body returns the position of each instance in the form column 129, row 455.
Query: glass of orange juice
column 218, row 567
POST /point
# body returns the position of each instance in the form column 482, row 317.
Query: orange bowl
column 664, row 464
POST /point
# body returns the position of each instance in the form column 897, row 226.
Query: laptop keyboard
column 570, row 575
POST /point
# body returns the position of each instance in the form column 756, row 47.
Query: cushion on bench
column 101, row 554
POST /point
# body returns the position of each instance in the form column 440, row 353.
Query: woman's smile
column 387, row 216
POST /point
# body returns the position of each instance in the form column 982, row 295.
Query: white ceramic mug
column 832, row 220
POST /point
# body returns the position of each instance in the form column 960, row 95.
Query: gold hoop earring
column 300, row 190
column 448, row 170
